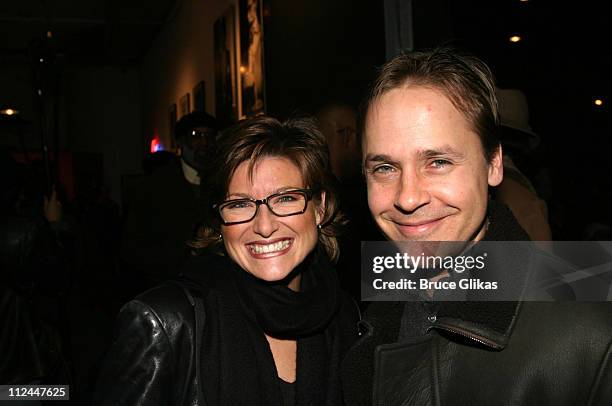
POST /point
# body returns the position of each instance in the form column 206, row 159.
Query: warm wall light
column 242, row 69
column 9, row 112
column 515, row 38
column 598, row 102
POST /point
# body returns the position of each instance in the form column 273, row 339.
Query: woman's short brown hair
column 297, row 140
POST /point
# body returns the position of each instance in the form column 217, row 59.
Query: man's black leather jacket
column 482, row 353
column 557, row 353
column 485, row 352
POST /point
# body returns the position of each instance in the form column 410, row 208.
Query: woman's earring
column 319, row 226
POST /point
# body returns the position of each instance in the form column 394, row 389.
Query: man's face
column 425, row 167
column 195, row 147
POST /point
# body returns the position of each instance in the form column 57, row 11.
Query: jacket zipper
column 471, row 336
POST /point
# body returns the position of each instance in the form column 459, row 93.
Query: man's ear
column 320, row 209
column 496, row 167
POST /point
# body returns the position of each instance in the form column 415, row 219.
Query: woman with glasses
column 264, row 322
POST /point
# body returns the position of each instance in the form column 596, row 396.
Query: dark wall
column 318, row 50
column 432, row 23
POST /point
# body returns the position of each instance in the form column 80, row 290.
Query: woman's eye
column 238, row 205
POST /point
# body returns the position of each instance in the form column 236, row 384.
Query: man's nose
column 265, row 223
column 412, row 193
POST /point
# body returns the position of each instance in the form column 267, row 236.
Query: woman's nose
column 265, row 222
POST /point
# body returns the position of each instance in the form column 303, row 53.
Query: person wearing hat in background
column 165, row 211
column 516, row 190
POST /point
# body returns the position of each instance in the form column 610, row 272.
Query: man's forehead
column 389, row 154
column 416, row 122
column 415, row 138
column 421, row 101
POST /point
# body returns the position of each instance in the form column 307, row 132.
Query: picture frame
column 184, row 105
column 252, row 78
column 226, row 79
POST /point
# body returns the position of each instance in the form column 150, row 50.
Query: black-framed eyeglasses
column 282, row 204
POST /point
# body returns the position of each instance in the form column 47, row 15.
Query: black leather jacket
column 551, row 354
column 33, row 276
column 153, row 359
column 481, row 353
column 160, row 325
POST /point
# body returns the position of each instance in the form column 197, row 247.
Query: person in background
column 34, row 279
column 165, row 208
column 270, row 324
column 338, row 122
column 516, row 191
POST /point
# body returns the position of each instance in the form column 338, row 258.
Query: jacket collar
column 489, row 323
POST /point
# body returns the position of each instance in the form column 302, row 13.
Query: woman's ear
column 320, row 209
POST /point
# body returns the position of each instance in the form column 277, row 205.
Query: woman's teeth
column 265, row 249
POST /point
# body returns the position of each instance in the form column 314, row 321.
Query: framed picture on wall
column 226, row 81
column 251, row 58
column 199, row 97
column 184, row 104
column 172, row 117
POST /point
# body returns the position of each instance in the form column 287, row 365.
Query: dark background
column 315, row 50
column 562, row 64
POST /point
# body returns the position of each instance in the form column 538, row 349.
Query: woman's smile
column 262, row 249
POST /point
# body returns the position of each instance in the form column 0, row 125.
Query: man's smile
column 412, row 228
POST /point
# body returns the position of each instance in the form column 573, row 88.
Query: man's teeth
column 265, row 249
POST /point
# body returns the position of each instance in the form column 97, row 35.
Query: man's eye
column 440, row 163
column 383, row 169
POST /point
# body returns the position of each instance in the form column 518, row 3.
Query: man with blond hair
column 430, row 157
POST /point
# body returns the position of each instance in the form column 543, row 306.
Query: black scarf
column 283, row 313
column 237, row 366
column 497, row 315
column 503, row 226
